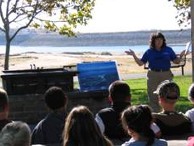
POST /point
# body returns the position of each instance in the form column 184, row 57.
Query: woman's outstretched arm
column 137, row 60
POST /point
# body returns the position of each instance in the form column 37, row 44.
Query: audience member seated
column 136, row 120
column 108, row 118
column 49, row 130
column 4, row 108
column 190, row 113
column 171, row 122
column 82, row 130
column 15, row 134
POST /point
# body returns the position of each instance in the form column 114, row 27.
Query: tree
column 61, row 16
column 183, row 12
column 192, row 38
column 186, row 17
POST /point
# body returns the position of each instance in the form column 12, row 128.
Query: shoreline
column 21, row 61
column 81, row 50
column 125, row 64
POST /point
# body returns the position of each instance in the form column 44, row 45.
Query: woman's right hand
column 137, row 60
column 130, row 52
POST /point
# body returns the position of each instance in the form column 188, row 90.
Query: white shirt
column 190, row 114
column 100, row 123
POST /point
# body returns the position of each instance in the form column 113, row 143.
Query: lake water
column 96, row 49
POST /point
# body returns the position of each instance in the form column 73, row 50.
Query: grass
column 139, row 91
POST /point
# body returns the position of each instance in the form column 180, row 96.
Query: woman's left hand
column 182, row 54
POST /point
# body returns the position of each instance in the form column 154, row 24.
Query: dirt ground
column 125, row 63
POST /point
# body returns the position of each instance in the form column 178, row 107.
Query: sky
column 131, row 15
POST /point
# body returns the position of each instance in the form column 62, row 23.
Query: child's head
column 55, row 98
column 82, row 129
column 137, row 119
column 168, row 91
column 119, row 91
column 16, row 133
column 80, row 120
column 191, row 93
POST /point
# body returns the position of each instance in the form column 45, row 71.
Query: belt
column 160, row 70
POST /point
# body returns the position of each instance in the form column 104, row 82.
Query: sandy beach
column 125, row 63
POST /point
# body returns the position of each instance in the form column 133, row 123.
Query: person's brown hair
column 81, row 129
column 155, row 36
column 139, row 118
column 119, row 90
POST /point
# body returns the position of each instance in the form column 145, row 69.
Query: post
column 192, row 37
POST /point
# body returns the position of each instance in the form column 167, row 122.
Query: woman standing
column 158, row 57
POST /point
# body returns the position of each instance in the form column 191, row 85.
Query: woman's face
column 158, row 43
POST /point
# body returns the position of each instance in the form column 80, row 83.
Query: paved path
column 144, row 75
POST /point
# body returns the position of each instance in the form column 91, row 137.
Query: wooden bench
column 182, row 62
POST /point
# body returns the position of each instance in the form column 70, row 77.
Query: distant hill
column 39, row 38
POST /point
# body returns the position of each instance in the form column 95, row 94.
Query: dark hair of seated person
column 55, row 98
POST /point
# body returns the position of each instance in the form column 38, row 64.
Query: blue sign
column 95, row 76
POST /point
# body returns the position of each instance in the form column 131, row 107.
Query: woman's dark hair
column 139, row 119
column 155, row 36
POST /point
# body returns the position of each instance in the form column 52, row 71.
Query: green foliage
column 62, row 16
column 182, row 2
column 183, row 12
column 53, row 15
column 139, row 91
